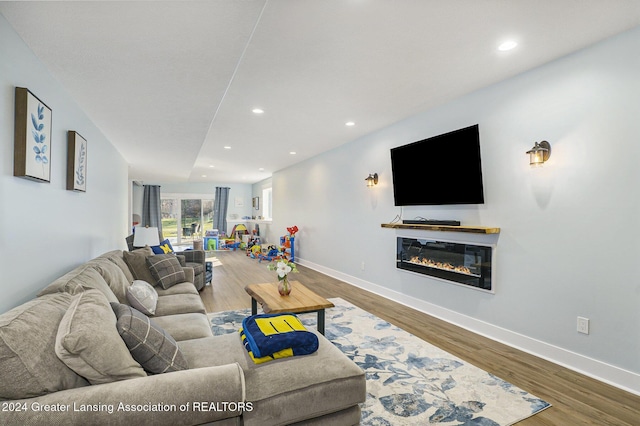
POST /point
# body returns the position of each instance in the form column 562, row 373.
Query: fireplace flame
column 440, row 265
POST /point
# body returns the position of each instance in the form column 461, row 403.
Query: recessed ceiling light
column 507, row 45
column 292, row 152
column 227, row 147
column 211, row 166
column 261, row 169
column 349, row 123
column 257, row 111
column 204, row 175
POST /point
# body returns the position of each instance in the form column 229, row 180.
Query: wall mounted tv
column 440, row 170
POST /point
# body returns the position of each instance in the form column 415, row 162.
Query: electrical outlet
column 583, row 325
column 362, row 266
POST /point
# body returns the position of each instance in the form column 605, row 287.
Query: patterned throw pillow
column 142, row 296
column 148, row 343
column 166, row 270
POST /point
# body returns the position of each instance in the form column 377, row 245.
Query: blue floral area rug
column 409, row 381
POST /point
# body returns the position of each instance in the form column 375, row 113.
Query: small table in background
column 301, row 300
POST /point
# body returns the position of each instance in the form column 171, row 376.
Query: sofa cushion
column 142, row 296
column 179, row 304
column 76, row 281
column 29, row 366
column 88, row 342
column 113, row 275
column 181, row 288
column 166, row 270
column 137, row 262
column 149, row 344
column 185, row 326
column 115, row 256
column 198, row 268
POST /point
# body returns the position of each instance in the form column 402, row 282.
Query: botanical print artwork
column 37, row 161
column 39, row 136
column 80, row 163
column 76, row 162
column 409, row 381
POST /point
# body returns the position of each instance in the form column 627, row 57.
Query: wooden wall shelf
column 445, row 228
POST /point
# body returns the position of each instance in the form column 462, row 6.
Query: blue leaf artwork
column 33, row 129
column 77, row 157
column 40, row 148
column 80, row 166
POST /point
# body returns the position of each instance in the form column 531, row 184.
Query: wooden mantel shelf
column 446, row 228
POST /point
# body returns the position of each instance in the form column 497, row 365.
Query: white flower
column 283, row 269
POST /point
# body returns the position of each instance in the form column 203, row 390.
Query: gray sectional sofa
column 66, row 357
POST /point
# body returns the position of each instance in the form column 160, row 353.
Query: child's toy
column 292, row 231
column 251, row 244
column 232, row 246
column 255, row 251
column 238, row 230
column 272, row 253
column 288, row 247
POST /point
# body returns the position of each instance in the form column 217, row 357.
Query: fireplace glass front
column 467, row 264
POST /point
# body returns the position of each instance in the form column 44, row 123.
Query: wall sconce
column 539, row 153
column 372, row 179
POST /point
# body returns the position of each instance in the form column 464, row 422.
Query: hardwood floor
column 576, row 399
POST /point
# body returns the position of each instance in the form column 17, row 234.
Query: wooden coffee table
column 300, row 300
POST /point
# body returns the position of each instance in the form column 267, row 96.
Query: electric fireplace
column 461, row 263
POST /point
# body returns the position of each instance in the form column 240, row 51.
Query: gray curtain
column 151, row 214
column 220, row 206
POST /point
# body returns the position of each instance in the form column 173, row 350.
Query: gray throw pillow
column 166, row 270
column 148, row 343
column 137, row 262
column 88, row 343
column 142, row 296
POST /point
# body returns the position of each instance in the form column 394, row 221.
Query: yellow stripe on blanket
column 279, row 324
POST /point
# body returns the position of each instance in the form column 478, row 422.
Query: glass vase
column 284, row 286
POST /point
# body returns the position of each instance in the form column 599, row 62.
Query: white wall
column 46, row 230
column 569, row 230
column 268, row 233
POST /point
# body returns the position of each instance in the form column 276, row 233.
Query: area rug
column 410, row 381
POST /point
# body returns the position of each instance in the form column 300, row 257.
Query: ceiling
column 172, row 83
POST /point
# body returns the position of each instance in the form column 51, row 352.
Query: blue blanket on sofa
column 267, row 334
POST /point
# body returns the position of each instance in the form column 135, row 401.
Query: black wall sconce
column 372, row 179
column 539, row 154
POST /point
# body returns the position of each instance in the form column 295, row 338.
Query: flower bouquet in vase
column 283, row 267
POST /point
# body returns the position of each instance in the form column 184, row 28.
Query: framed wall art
column 76, row 162
column 32, row 137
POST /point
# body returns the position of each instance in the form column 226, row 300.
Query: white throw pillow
column 142, row 296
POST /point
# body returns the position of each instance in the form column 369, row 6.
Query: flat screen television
column 441, row 170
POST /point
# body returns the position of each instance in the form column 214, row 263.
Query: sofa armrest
column 195, row 256
column 182, row 397
column 189, row 273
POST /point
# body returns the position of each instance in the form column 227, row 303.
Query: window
column 185, row 217
column 191, row 219
column 170, row 214
column 266, row 203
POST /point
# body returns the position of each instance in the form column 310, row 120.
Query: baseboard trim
column 612, row 375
